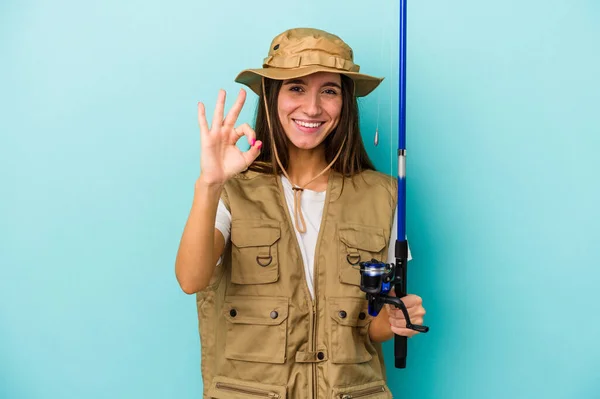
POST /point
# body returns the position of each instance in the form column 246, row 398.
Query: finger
column 411, row 300
column 234, row 112
column 398, row 323
column 405, row 332
column 202, row 119
column 416, row 311
column 397, row 314
column 402, row 322
column 217, row 120
column 243, row 130
column 252, row 153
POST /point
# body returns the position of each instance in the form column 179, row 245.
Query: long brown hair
column 353, row 158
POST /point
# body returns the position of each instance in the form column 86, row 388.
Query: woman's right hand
column 220, row 158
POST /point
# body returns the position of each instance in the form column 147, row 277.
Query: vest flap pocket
column 372, row 390
column 254, row 233
column 351, row 312
column 358, row 243
column 254, row 253
column 256, row 328
column 367, row 238
column 268, row 311
column 231, row 388
column 349, row 332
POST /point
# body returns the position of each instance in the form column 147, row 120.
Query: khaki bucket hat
column 303, row 51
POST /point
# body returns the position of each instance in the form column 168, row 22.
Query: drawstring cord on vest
column 297, row 189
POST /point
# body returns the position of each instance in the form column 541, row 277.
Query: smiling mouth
column 310, row 125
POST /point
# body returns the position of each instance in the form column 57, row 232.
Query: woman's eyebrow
column 332, row 84
column 302, row 82
column 295, row 82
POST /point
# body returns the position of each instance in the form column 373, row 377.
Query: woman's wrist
column 380, row 329
column 204, row 183
column 207, row 191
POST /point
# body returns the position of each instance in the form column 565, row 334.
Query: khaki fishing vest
column 261, row 333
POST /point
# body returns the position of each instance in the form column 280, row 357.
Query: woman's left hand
column 416, row 311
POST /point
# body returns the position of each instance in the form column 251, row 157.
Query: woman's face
column 309, row 108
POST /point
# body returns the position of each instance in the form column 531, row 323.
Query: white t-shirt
column 312, row 204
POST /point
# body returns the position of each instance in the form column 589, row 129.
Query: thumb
column 252, row 153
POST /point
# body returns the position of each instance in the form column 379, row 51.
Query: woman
column 274, row 234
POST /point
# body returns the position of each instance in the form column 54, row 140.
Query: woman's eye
column 330, row 91
column 296, row 88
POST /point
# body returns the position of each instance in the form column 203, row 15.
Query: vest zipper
column 310, row 299
column 315, row 277
column 314, row 343
column 362, row 393
column 315, row 302
column 247, row 391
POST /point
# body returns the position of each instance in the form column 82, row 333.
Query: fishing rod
column 378, row 278
column 400, row 347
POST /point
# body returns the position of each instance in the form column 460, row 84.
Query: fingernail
column 259, row 145
column 252, row 141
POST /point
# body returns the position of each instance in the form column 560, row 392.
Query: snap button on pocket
column 349, row 339
column 320, row 356
column 251, row 319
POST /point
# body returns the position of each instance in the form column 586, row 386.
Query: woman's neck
column 304, row 165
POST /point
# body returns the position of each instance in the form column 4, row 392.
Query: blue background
column 99, row 150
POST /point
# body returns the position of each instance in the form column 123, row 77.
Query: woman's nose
column 312, row 107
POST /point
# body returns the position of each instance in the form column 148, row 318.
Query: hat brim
column 363, row 84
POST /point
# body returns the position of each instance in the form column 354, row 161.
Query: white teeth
column 306, row 124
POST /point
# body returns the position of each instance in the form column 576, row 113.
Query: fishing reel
column 377, row 280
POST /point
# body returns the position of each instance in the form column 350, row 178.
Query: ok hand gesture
column 220, row 158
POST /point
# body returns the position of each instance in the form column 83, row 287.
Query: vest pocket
column 372, row 390
column 349, row 335
column 254, row 251
column 230, row 388
column 358, row 243
column 256, row 328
